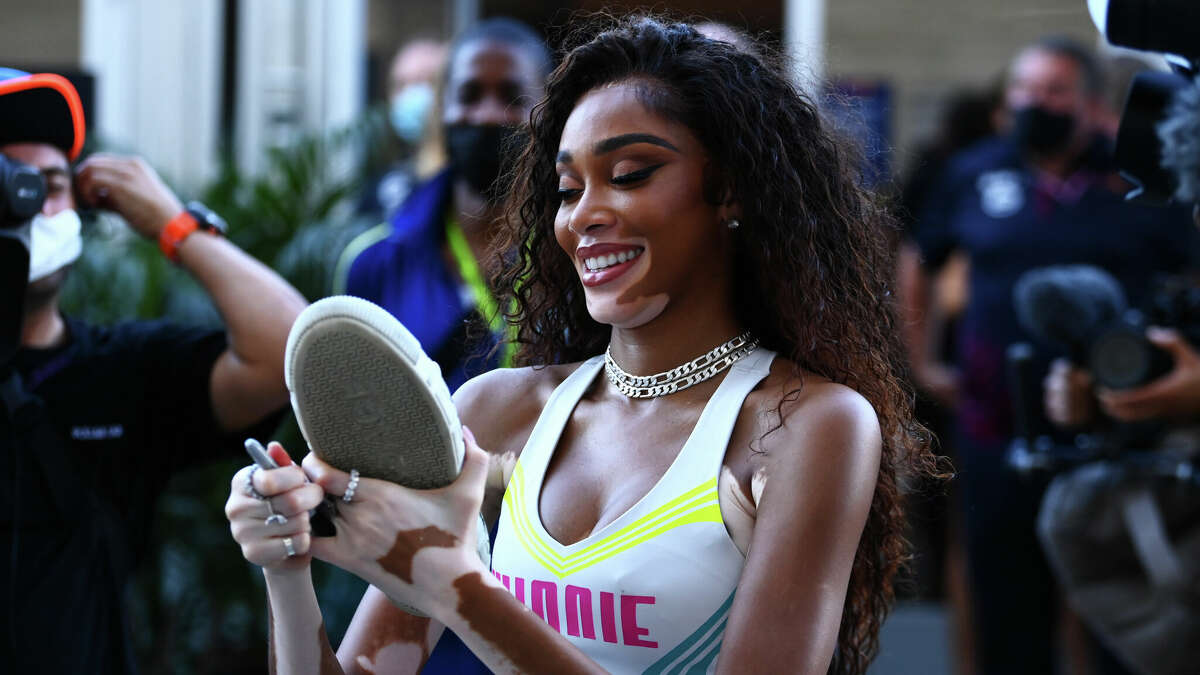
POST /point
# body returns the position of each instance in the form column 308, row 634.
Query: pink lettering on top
column 545, row 601
column 608, row 617
column 579, row 612
column 578, row 605
column 633, row 633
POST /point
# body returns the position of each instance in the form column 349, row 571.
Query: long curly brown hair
column 813, row 260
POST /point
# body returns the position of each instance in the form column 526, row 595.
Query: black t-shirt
column 127, row 407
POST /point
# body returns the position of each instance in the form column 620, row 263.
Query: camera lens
column 1122, row 358
column 22, row 192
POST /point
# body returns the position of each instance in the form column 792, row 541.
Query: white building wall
column 301, row 67
column 804, row 28
column 158, row 67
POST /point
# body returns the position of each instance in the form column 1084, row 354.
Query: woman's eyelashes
column 625, row 179
column 635, row 176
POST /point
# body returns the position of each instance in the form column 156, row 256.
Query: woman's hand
column 268, row 513
column 411, row 544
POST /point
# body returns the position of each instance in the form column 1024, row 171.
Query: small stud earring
column 732, row 223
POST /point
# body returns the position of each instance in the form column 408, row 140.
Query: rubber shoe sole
column 367, row 397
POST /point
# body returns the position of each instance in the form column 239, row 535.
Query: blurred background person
column 411, row 92
column 938, row 568
column 426, row 264
column 1043, row 193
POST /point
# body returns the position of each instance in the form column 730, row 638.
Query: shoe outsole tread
column 367, row 397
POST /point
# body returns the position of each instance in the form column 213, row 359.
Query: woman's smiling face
column 633, row 217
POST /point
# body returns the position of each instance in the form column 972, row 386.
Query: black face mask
column 1041, row 131
column 482, row 153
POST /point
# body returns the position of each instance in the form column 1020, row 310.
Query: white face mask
column 54, row 242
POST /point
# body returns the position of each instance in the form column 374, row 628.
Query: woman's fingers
column 475, row 465
column 298, row 500
column 333, row 481
column 251, row 529
column 295, row 502
column 271, row 482
column 272, row 551
column 277, row 453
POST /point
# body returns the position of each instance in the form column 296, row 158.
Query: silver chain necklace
column 681, row 377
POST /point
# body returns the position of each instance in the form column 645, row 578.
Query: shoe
column 367, row 397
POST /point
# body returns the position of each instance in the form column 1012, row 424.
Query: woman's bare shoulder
column 803, row 408
column 797, row 427
column 501, row 406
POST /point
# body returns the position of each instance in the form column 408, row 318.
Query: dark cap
column 40, row 108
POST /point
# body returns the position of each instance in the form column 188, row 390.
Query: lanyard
column 468, row 270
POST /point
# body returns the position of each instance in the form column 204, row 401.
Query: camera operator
column 1071, row 401
column 1043, row 193
column 1119, row 521
column 96, row 420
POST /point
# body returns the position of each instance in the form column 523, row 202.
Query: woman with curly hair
column 680, row 210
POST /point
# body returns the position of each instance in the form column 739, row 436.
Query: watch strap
column 176, row 231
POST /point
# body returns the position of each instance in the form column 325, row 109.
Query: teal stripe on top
column 700, row 667
column 704, row 639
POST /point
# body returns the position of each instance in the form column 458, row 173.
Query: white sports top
column 650, row 592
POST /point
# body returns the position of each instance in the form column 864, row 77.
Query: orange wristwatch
column 195, row 217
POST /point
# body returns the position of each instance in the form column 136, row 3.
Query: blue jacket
column 400, row 266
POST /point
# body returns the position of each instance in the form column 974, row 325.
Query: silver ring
column 351, row 487
column 289, row 547
column 248, row 488
column 274, row 518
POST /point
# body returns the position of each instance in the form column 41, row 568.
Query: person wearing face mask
column 416, row 154
column 1044, row 192
column 95, row 420
column 426, row 265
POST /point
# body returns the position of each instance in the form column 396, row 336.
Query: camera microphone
column 1068, row 305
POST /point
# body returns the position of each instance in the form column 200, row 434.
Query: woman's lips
column 607, row 274
column 588, row 257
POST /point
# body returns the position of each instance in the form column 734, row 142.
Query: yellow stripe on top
column 362, row 242
column 694, row 506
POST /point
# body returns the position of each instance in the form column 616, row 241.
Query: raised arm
column 258, row 306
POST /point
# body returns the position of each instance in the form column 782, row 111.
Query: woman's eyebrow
column 610, row 144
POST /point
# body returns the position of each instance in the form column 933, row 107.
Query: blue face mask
column 409, row 111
